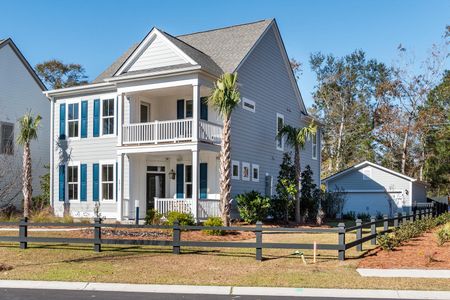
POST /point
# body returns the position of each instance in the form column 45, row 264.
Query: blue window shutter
column 180, row 109
column 84, row 118
column 180, row 180
column 83, row 179
column 95, row 182
column 204, row 108
column 203, row 180
column 62, row 182
column 96, row 127
column 62, row 121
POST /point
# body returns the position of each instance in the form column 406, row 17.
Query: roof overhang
column 75, row 90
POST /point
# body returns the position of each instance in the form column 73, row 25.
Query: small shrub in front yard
column 153, row 217
column 253, row 206
column 443, row 235
column 46, row 216
column 363, row 216
column 349, row 215
column 184, row 219
column 214, row 221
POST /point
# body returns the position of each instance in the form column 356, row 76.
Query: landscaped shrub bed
column 408, row 231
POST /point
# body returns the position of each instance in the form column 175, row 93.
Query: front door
column 156, row 187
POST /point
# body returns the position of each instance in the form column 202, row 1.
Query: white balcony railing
column 206, row 207
column 170, row 131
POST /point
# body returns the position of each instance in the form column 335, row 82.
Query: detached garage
column 370, row 188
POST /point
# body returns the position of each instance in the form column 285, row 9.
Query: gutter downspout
column 52, row 128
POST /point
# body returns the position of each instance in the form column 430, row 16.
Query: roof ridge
column 226, row 27
column 181, row 41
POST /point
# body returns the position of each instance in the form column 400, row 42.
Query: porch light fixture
column 172, row 174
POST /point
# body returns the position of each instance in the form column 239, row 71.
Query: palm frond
column 225, row 96
column 28, row 125
column 297, row 136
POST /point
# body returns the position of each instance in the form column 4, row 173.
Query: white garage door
column 371, row 203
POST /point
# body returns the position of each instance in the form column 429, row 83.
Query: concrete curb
column 409, row 273
column 225, row 290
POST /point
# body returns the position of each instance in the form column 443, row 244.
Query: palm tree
column 296, row 138
column 28, row 132
column 224, row 98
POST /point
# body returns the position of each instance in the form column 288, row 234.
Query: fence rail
column 176, row 242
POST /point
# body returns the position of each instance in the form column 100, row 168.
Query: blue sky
column 94, row 33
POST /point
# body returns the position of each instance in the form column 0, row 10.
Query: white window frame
column 255, row 167
column 12, row 140
column 185, row 108
column 114, row 116
column 186, row 183
column 251, row 102
column 279, row 116
column 68, row 103
column 233, row 164
column 100, row 175
column 367, row 173
column 148, row 106
column 246, row 165
column 314, row 145
column 78, row 165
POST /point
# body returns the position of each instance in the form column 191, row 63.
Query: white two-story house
column 141, row 134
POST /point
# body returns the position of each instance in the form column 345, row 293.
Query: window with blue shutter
column 180, row 180
column 95, row 182
column 203, row 180
column 83, row 179
column 62, row 182
column 180, row 109
column 84, row 119
column 204, row 108
column 62, row 121
column 96, row 125
column 117, row 179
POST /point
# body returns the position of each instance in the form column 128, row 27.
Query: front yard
column 134, row 264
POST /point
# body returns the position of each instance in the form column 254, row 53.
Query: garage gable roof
column 368, row 163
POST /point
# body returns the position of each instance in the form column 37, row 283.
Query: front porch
column 185, row 181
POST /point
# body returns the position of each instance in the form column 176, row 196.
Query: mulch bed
column 419, row 253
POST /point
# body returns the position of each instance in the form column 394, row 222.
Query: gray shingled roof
column 216, row 51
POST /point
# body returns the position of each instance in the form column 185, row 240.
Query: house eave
column 91, row 88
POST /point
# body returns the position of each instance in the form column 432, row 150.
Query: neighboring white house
column 142, row 132
column 370, row 188
column 20, row 91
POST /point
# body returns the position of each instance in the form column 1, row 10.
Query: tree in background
column 27, row 132
column 310, row 204
column 296, row 138
column 56, row 75
column 224, row 98
column 283, row 204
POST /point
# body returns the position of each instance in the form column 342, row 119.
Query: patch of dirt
column 5, row 267
column 419, row 253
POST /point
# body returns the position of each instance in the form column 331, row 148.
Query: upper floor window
column 7, row 138
column 72, row 182
column 255, row 172
column 73, row 121
column 280, row 124
column 189, row 109
column 314, row 145
column 108, row 182
column 248, row 104
column 108, row 116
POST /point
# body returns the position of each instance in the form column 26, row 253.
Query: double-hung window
column 255, row 172
column 7, row 138
column 188, row 181
column 108, row 116
column 107, row 182
column 314, row 146
column 72, row 182
column 279, row 139
column 189, row 108
column 73, row 120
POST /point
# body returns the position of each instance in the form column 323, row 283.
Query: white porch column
column 195, row 182
column 196, row 111
column 120, row 119
column 119, row 187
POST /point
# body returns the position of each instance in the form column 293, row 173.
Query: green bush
column 214, row 221
column 253, row 206
column 184, row 219
column 349, row 215
column 153, row 217
column 443, row 235
column 363, row 216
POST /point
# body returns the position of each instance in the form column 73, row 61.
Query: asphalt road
column 27, row 294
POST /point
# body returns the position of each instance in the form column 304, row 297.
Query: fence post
column 341, row 240
column 258, row 233
column 404, row 220
column 176, row 237
column 417, row 215
column 359, row 234
column 373, row 230
column 397, row 217
column 97, row 235
column 411, row 216
column 23, row 233
column 385, row 223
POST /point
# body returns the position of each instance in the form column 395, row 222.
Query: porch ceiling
column 173, row 92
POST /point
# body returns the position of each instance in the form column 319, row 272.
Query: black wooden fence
column 177, row 243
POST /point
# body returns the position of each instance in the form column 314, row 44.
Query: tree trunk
column 27, row 189
column 339, row 144
column 225, row 172
column 405, row 148
column 298, row 171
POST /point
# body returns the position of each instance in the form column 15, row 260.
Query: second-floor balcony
column 171, row 131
